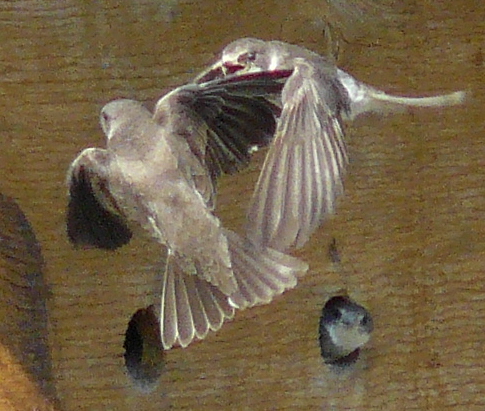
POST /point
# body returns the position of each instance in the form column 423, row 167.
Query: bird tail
column 190, row 306
column 261, row 273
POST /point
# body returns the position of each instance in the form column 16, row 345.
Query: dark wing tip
column 88, row 222
column 240, row 111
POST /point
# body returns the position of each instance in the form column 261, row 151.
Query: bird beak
column 221, row 69
column 213, row 72
column 230, row 68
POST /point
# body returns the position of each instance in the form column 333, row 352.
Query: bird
column 344, row 328
column 157, row 176
column 303, row 171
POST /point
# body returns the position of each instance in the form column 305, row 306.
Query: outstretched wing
column 92, row 215
column 303, row 170
column 238, row 114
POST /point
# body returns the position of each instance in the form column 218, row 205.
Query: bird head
column 118, row 114
column 250, row 54
column 347, row 324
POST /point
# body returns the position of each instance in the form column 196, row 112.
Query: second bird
column 302, row 175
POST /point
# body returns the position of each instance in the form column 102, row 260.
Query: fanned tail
column 261, row 273
column 190, row 306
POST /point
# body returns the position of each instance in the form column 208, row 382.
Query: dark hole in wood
column 144, row 354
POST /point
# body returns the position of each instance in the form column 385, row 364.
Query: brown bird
column 303, row 172
column 158, row 175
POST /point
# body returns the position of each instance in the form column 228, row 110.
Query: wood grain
column 409, row 230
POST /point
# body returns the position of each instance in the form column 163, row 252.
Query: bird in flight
column 158, row 175
column 302, row 175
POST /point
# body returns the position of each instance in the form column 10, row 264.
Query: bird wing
column 303, row 170
column 93, row 218
column 238, row 114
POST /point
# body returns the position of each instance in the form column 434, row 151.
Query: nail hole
column 333, row 252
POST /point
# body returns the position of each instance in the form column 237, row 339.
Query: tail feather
column 260, row 273
column 190, row 306
column 194, row 302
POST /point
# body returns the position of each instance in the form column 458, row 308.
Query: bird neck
column 135, row 141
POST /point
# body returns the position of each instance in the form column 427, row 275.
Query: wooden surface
column 410, row 229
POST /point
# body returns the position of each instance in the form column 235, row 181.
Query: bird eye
column 105, row 117
column 333, row 314
column 246, row 57
column 366, row 321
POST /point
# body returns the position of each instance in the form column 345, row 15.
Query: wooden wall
column 409, row 230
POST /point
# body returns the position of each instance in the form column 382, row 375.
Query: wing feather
column 239, row 113
column 303, row 172
column 93, row 217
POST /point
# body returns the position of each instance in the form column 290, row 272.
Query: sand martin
column 345, row 327
column 158, row 175
column 302, row 175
